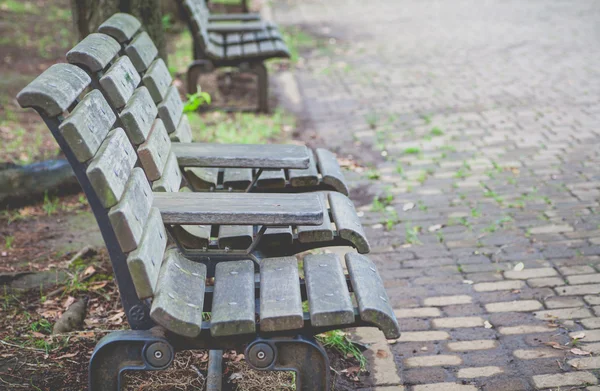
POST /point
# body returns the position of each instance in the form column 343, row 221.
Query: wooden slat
column 129, row 216
column 280, row 300
column 331, row 171
column 109, row 170
column 318, row 233
column 241, row 155
column 203, row 178
column 233, row 38
column 233, row 300
column 282, row 48
column 142, row 51
column 192, row 236
column 170, row 109
column 145, row 261
column 373, row 303
column 87, row 125
column 179, row 299
column 217, row 38
column 233, row 51
column 329, row 301
column 278, row 236
column 347, row 222
column 183, row 134
column 250, row 48
column 94, row 52
column 239, row 208
column 237, row 178
column 121, row 27
column 266, row 46
column 170, row 181
column 154, row 151
column 120, row 81
column 138, row 116
column 157, row 79
column 305, row 177
column 55, row 90
column 235, row 236
column 271, row 179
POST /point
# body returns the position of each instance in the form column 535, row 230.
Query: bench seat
column 240, row 301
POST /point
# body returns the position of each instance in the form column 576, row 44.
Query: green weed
column 50, row 205
column 412, row 151
column 436, row 131
column 8, row 242
column 412, row 234
column 372, row 119
column 338, row 340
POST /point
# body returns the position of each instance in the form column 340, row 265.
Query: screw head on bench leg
column 261, row 355
column 159, row 355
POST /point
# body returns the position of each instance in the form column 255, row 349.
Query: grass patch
column 412, row 151
column 338, row 340
column 436, row 131
column 239, row 128
column 296, row 41
column 19, row 7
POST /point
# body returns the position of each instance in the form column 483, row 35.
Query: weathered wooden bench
column 242, row 41
column 273, row 168
column 243, row 5
column 167, row 289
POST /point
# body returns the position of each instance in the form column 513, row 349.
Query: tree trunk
column 89, row 14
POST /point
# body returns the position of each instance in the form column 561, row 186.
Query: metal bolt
column 261, row 355
column 158, row 354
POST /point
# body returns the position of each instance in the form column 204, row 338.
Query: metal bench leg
column 214, row 378
column 263, row 86
column 128, row 350
column 194, row 71
column 302, row 355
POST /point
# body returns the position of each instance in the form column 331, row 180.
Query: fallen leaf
column 97, row 285
column 38, row 335
column 424, row 348
column 578, row 336
column 468, row 282
column 89, row 271
column 408, row 206
column 580, row 352
column 434, row 228
column 487, row 325
column 392, row 341
column 381, row 354
column 235, row 376
column 519, row 266
column 117, row 317
column 67, row 303
column 556, row 345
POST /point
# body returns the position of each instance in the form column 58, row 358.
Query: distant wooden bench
column 243, row 5
column 243, row 41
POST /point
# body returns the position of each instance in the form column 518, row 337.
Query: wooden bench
column 167, row 290
column 97, row 54
column 243, row 41
column 243, row 5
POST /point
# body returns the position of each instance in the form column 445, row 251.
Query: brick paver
column 477, row 126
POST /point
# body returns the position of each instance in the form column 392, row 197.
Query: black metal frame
column 153, row 350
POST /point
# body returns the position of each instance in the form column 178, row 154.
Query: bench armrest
column 226, row 28
column 234, row 18
column 270, row 156
column 239, row 208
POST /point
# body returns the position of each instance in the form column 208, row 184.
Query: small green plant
column 475, row 212
column 8, row 242
column 412, row 151
column 380, row 203
column 399, row 168
column 421, row 205
column 437, row 131
column 50, row 205
column 440, row 237
column 338, row 340
column 412, row 234
column 372, row 119
column 195, row 101
column 392, row 219
column 427, row 119
column 82, row 200
column 167, row 22
column 373, row 174
column 41, row 326
column 461, row 173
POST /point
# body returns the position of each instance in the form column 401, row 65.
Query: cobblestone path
column 480, row 123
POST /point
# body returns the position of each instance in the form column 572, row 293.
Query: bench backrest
column 197, row 14
column 98, row 147
column 98, row 54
